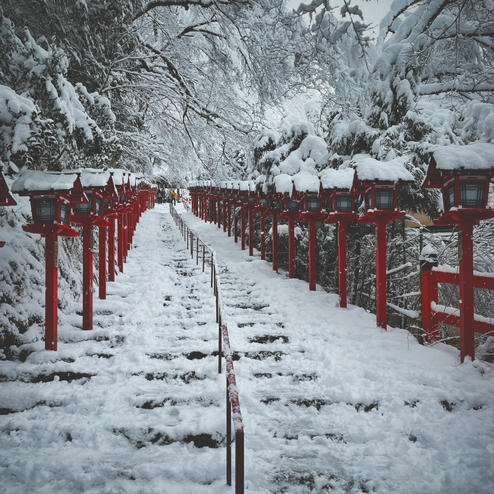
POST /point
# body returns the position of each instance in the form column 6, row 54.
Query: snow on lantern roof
column 337, row 179
column 91, row 177
column 119, row 176
column 43, row 181
column 244, row 185
column 132, row 179
column 369, row 169
column 474, row 156
column 306, row 182
column 283, row 183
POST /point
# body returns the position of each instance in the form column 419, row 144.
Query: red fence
column 233, row 411
column 433, row 313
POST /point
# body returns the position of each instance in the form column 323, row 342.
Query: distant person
column 174, row 198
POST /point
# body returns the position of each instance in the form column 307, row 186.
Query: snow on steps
column 128, row 407
column 333, row 404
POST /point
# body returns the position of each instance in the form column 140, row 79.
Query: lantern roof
column 5, row 198
column 91, row 177
column 474, row 156
column 341, row 179
column 283, row 183
column 44, row 181
column 306, row 182
column 119, row 176
column 477, row 157
column 368, row 169
column 246, row 185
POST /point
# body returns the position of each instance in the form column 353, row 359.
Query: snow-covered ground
column 330, row 403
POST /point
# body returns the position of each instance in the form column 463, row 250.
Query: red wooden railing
column 233, row 411
column 433, row 313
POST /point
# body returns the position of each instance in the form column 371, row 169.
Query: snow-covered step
column 136, row 405
column 346, row 407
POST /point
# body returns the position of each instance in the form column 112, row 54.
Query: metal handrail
column 233, row 411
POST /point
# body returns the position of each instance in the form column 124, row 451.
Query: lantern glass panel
column 276, row 205
column 64, row 213
column 385, row 199
column 263, row 202
column 292, row 205
column 251, row 200
column 99, row 206
column 368, row 200
column 449, row 197
column 472, row 194
column 344, row 204
column 313, row 204
column 84, row 208
column 45, row 211
column 121, row 198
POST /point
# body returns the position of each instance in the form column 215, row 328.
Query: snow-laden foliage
column 46, row 121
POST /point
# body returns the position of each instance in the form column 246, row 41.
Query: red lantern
column 463, row 174
column 378, row 182
column 336, row 191
column 51, row 195
column 306, row 188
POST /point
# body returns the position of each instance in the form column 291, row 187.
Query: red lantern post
column 109, row 204
column 336, row 188
column 306, row 188
column 378, row 182
column 463, row 173
column 291, row 214
column 263, row 210
column 51, row 195
column 88, row 215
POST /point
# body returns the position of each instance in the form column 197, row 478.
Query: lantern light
column 385, row 199
column 45, row 211
column 263, row 202
column 313, row 204
column 472, row 194
column 344, row 204
column 292, row 205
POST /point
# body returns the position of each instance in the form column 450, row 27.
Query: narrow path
column 333, row 404
column 134, row 406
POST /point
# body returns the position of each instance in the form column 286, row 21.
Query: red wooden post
column 467, row 333
column 235, row 226
column 120, row 242
column 87, row 277
column 218, row 214
column 239, row 461
column 429, row 295
column 263, row 237
column 242, row 233
column 229, row 219
column 111, row 249
column 381, row 284
column 228, row 435
column 102, row 261
column 342, row 263
column 51, row 291
column 291, row 247
column 225, row 201
column 312, row 255
column 251, row 231
column 274, row 238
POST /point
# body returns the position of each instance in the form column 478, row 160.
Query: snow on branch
column 185, row 4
